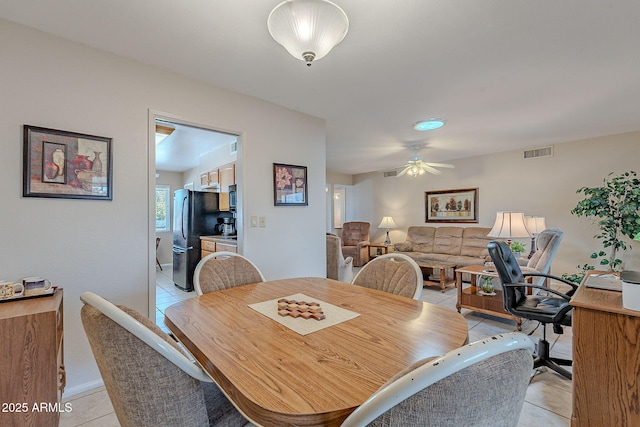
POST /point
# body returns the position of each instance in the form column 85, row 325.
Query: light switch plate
column 263, row 222
column 254, row 221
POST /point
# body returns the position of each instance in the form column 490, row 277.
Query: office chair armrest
column 574, row 287
column 544, row 288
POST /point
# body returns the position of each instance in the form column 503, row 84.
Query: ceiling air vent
column 234, row 147
column 390, row 173
column 535, row 153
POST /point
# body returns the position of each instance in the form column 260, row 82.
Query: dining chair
column 480, row 384
column 394, row 273
column 149, row 379
column 223, row 270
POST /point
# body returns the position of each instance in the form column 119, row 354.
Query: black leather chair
column 551, row 308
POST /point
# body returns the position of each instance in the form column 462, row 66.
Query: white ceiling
column 181, row 150
column 506, row 74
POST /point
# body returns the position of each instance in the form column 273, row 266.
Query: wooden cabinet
column 606, row 361
column 227, row 175
column 220, row 178
column 32, row 374
column 210, row 245
column 226, row 247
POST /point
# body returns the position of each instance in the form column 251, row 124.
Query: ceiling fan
column 415, row 166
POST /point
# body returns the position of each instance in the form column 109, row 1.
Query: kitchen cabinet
column 210, row 245
column 220, row 178
column 213, row 177
column 227, row 176
column 32, row 373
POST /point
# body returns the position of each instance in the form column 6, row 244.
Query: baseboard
column 76, row 391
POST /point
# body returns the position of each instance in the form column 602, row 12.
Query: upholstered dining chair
column 150, row 381
column 488, row 379
column 223, row 270
column 394, row 273
column 548, row 306
column 338, row 267
column 355, row 241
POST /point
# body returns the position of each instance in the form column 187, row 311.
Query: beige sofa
column 463, row 246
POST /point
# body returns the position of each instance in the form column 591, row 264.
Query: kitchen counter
column 219, row 237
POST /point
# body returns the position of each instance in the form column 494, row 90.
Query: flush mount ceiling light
column 308, row 29
column 429, row 124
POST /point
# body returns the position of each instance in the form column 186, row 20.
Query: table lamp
column 535, row 225
column 387, row 222
column 509, row 225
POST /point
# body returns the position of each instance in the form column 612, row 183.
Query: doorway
column 179, row 152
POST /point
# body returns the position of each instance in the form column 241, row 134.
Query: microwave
column 232, row 197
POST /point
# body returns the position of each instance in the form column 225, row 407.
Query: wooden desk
column 280, row 378
column 471, row 299
column 606, row 359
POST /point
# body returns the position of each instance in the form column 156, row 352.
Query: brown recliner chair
column 355, row 242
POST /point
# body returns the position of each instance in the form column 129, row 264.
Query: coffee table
column 431, row 266
column 469, row 297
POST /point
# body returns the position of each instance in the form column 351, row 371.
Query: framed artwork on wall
column 289, row 185
column 460, row 205
column 63, row 164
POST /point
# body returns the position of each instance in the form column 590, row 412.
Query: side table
column 470, row 298
column 431, row 266
column 383, row 248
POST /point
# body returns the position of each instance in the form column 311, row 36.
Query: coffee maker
column 228, row 227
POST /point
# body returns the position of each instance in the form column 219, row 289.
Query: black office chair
column 552, row 308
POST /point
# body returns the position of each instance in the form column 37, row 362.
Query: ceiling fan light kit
column 415, row 166
column 308, row 29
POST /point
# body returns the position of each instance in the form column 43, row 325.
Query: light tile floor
column 547, row 403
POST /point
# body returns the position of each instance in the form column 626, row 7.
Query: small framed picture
column 290, row 185
column 65, row 164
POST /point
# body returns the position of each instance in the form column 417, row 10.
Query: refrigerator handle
column 184, row 201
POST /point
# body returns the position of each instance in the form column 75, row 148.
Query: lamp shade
column 387, row 222
column 509, row 225
column 535, row 224
column 308, row 29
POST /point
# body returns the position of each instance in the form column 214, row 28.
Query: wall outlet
column 263, row 222
column 253, row 221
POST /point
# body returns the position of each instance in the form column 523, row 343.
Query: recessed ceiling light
column 429, row 124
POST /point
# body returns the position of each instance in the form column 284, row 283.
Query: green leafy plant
column 517, row 247
column 615, row 208
column 577, row 277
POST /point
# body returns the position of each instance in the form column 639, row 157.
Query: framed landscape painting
column 459, row 205
column 289, row 185
column 63, row 164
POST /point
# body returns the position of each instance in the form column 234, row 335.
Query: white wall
column 109, row 247
column 543, row 186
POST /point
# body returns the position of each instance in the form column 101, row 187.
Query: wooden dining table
column 278, row 377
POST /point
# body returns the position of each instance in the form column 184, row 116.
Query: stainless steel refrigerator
column 195, row 214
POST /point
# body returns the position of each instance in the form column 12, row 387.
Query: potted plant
column 517, row 248
column 615, row 208
column 486, row 286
